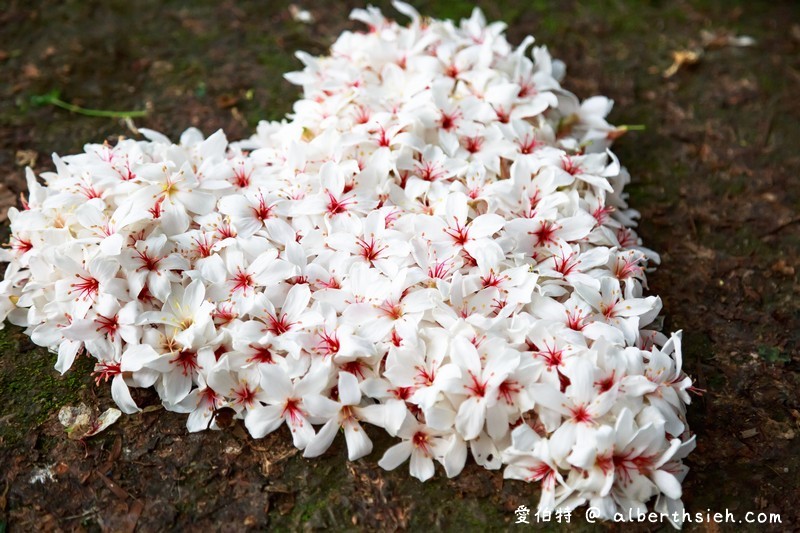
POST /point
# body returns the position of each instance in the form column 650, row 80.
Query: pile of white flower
column 435, row 243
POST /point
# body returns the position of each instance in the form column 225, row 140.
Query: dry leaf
column 110, row 416
column 681, row 58
column 26, row 158
column 301, row 15
column 227, row 100
column 749, row 433
column 80, row 422
column 76, row 420
column 718, row 40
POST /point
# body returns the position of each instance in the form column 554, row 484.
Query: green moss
column 773, row 354
column 307, row 511
column 30, row 389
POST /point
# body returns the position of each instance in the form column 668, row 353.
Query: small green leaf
column 772, row 354
column 40, row 100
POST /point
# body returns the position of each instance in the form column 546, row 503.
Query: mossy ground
column 714, row 174
column 30, row 390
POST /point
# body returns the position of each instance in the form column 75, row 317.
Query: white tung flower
column 436, row 243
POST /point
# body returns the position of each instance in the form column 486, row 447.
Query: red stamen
column 226, row 231
column 107, row 325
column 279, row 325
column 357, row 368
column 553, row 356
column 448, row 121
column 87, row 288
column 476, row 388
column 528, row 144
column 203, row 245
column 424, row 377
column 473, row 144
column 241, row 178
column 263, row 211
column 261, row 354
column 459, row 233
column 105, row 370
column 507, row 389
column 187, row 359
column 244, row 395
column 392, row 309
column 156, row 210
column 242, row 281
column 545, row 234
column 329, row 343
column 566, row 265
column 607, row 383
column 421, row 441
column 148, row 263
column 20, row 244
column 581, row 415
column 369, row 250
column 293, row 412
column 439, row 270
column 337, row 206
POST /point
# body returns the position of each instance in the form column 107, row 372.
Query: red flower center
column 86, row 288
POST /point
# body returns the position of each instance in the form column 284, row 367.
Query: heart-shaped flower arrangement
column 435, row 243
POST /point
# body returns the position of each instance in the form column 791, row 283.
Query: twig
column 92, row 511
column 52, row 98
column 778, row 228
column 632, row 127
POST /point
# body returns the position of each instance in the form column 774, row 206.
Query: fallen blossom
column 436, row 243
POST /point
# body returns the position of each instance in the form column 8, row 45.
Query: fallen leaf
column 718, row 40
column 224, row 417
column 301, row 15
column 700, row 251
column 135, row 510
column 118, row 491
column 80, row 422
column 4, row 496
column 110, row 416
column 681, row 58
column 30, row 71
column 749, row 433
column 227, row 100
column 26, row 158
column 783, row 268
column 76, row 420
column 116, row 450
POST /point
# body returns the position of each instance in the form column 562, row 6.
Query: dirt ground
column 715, row 176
